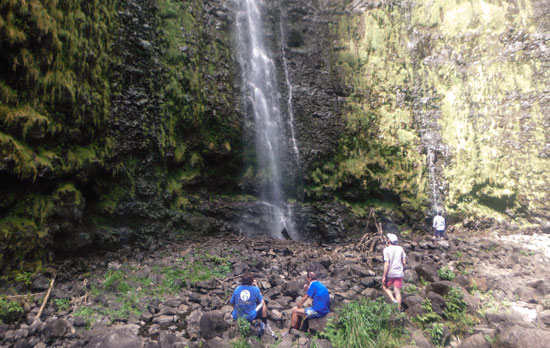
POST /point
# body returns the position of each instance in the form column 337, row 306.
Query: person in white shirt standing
column 394, row 263
column 439, row 225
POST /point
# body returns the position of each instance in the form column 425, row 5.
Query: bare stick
column 25, row 295
column 45, row 299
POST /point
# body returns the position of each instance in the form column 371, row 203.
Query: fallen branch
column 45, row 299
column 25, row 295
column 369, row 237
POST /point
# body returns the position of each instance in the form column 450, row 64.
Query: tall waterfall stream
column 262, row 105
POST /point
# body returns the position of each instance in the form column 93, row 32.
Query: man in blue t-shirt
column 248, row 300
column 321, row 302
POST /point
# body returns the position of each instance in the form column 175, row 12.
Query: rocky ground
column 177, row 294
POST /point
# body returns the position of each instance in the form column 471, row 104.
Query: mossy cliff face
column 123, row 120
column 445, row 105
column 114, row 114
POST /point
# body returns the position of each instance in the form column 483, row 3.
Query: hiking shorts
column 440, row 233
column 311, row 313
column 395, row 282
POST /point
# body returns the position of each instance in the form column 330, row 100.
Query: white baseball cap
column 392, row 237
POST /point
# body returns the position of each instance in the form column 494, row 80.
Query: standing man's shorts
column 440, row 233
column 395, row 282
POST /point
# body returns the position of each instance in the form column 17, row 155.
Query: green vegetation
column 23, row 278
column 54, row 105
column 456, row 312
column 62, row 304
column 126, row 290
column 437, row 334
column 410, row 289
column 365, row 324
column 429, row 317
column 488, row 177
column 377, row 155
column 89, row 314
column 243, row 327
column 205, row 267
column 455, row 317
column 10, row 311
column 399, row 77
column 526, row 253
column 445, row 273
column 240, row 343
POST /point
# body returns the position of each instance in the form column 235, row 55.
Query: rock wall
column 445, row 105
column 115, row 115
column 123, row 121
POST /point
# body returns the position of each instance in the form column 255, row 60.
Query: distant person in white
column 439, row 225
column 394, row 262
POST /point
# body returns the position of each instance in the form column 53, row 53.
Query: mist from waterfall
column 262, row 104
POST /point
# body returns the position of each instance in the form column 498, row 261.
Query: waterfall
column 289, row 101
column 433, row 178
column 262, row 105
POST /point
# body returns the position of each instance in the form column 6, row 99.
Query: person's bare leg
column 294, row 319
column 398, row 296
column 264, row 309
column 387, row 291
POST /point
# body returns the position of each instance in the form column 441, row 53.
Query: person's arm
column 386, row 267
column 233, row 297
column 301, row 302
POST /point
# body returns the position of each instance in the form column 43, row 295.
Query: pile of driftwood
column 371, row 239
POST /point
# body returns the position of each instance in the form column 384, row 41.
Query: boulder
column 441, row 287
column 426, row 271
column 318, row 324
column 167, row 339
column 540, row 286
column 438, row 302
column 193, row 321
column 544, row 317
column 361, row 271
column 217, row 342
column 474, row 341
column 520, row 337
column 526, row 294
column 212, row 324
column 54, row 329
column 117, row 337
column 40, row 283
column 420, row 340
column 294, row 288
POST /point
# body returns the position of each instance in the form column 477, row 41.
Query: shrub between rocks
column 10, row 311
column 366, row 323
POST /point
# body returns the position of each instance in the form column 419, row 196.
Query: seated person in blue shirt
column 248, row 300
column 321, row 301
